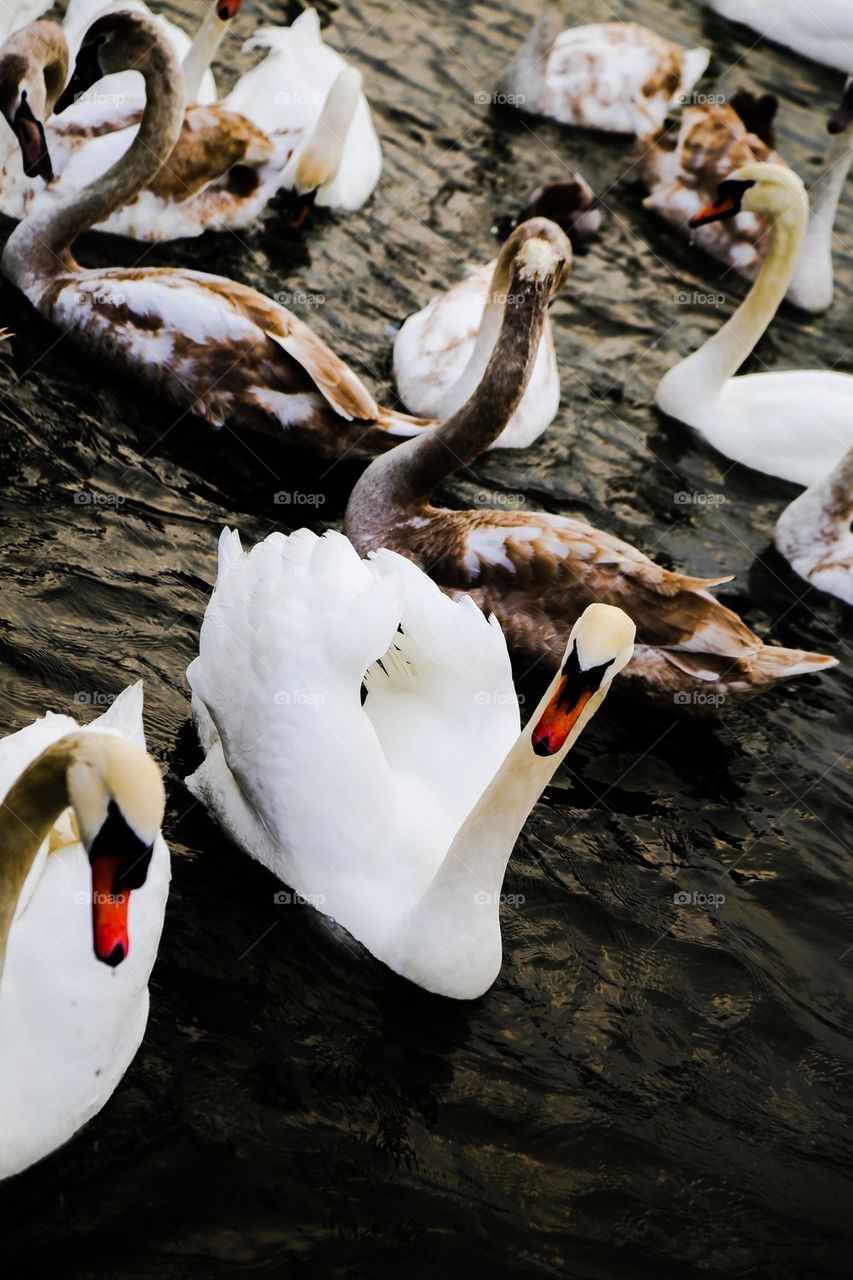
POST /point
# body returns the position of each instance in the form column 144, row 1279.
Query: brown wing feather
column 212, row 140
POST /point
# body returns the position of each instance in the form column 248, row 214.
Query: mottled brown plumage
column 685, row 161
column 213, row 347
column 538, row 572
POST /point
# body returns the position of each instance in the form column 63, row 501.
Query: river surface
column 650, row 1089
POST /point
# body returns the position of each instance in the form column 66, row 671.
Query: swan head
column 116, row 792
column 33, row 70
column 842, row 117
column 227, row 9
column 771, row 189
column 600, row 645
column 115, row 42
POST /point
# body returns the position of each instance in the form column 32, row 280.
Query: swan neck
column 201, row 53
column 404, row 478
column 40, row 245
column 826, row 190
column 722, row 355
column 31, row 807
column 477, row 859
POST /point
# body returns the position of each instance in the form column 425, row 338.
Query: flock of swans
column 362, row 655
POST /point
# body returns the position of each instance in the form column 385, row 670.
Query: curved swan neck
column 40, row 244
column 477, row 859
column 719, row 359
column 824, row 196
column 493, row 314
column 405, row 476
column 316, row 163
column 29, row 810
column 201, row 53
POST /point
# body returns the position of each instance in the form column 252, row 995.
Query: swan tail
column 305, row 30
column 124, row 715
column 397, row 423
column 773, row 663
column 693, row 67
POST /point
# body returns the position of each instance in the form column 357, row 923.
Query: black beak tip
column 115, row 957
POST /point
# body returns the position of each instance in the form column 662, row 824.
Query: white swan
column 818, row 29
column 795, row 424
column 337, row 161
column 84, row 876
column 396, row 817
column 814, row 532
column 615, row 76
column 441, row 352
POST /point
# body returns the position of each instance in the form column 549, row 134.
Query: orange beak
column 226, row 9
column 724, row 208
column 558, row 719
column 109, row 912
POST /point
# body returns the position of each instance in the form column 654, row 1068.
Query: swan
column 337, row 159
column 684, row 163
column 821, row 30
column 537, row 572
column 794, row 424
column 221, row 173
column 615, row 76
column 396, row 816
column 814, row 532
column 84, row 879
column 441, row 352
column 213, row 347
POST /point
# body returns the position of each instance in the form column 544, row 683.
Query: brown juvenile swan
column 538, row 572
column 211, row 346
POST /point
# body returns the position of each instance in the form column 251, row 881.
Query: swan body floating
column 215, row 348
column 684, row 163
column 821, row 30
column 615, row 76
column 795, row 424
column 537, row 572
column 84, row 877
column 396, row 816
column 814, row 532
column 441, row 352
column 337, row 160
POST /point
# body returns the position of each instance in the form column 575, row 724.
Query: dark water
column 649, row 1090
